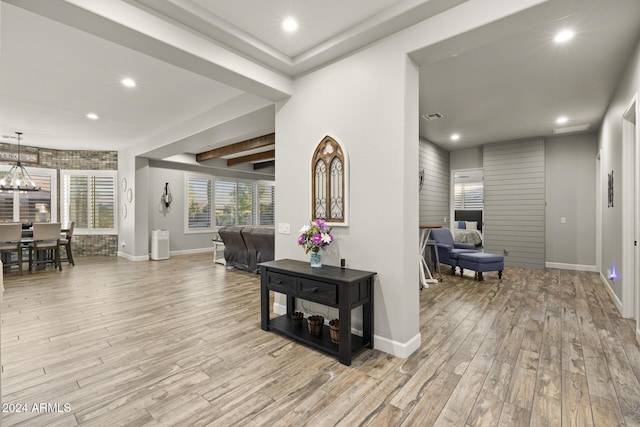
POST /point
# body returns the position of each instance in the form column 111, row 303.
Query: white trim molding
column 132, row 257
column 613, row 295
column 572, row 267
column 395, row 348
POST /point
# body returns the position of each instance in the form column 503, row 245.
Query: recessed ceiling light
column 289, row 25
column 562, row 120
column 128, row 82
column 564, row 36
column 92, row 116
column 455, row 137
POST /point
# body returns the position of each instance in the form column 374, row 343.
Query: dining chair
column 45, row 248
column 66, row 242
column 11, row 241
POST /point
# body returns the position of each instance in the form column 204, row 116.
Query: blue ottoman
column 481, row 262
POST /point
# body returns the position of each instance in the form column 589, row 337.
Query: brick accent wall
column 106, row 245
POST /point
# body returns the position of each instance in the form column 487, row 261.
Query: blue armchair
column 448, row 249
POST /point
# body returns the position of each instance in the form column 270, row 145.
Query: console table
column 342, row 288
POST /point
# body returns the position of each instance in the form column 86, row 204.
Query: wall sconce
column 166, row 196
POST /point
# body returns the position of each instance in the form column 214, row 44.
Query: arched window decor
column 328, row 176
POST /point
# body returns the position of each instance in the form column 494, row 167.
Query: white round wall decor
column 129, row 195
column 124, row 211
column 123, row 184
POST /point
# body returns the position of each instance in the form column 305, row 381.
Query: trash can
column 160, row 244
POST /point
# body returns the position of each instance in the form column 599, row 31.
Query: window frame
column 200, row 230
column 53, row 173
column 255, row 202
column 91, row 173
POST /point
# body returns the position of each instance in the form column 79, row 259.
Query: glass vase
column 316, row 259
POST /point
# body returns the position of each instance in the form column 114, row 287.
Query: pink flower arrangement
column 315, row 236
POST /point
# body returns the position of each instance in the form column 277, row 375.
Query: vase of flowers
column 314, row 237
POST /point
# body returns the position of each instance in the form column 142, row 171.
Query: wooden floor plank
column 123, row 345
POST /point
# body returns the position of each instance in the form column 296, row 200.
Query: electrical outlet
column 563, row 220
column 506, row 251
column 122, row 243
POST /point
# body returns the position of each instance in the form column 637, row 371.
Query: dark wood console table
column 337, row 287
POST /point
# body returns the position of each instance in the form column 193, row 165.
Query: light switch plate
column 284, row 228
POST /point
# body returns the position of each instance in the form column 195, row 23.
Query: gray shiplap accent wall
column 434, row 197
column 514, row 204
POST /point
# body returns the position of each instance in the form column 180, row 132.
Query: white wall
column 610, row 144
column 570, row 177
column 173, row 218
column 361, row 101
column 470, row 158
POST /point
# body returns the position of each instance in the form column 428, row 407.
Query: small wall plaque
column 25, row 157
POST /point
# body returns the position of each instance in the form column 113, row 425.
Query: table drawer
column 281, row 282
column 317, row 291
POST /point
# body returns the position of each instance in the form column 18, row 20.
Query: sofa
column 246, row 247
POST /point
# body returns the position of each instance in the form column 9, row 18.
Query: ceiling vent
column 570, row 129
column 432, row 116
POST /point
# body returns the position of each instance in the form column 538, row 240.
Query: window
column 328, row 176
column 244, row 203
column 89, row 199
column 198, row 204
column 266, row 204
column 31, row 206
column 468, row 196
column 235, row 202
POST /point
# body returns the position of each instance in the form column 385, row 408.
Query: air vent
column 432, row 116
column 570, row 129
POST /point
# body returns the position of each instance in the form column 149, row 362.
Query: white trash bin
column 160, row 244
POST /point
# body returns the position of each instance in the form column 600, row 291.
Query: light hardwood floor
column 178, row 342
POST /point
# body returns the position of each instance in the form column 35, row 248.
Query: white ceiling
column 510, row 83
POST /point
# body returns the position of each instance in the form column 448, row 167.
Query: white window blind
column 245, row 203
column 35, row 206
column 468, row 196
column 266, row 204
column 89, row 199
column 31, row 206
column 199, row 203
column 236, row 203
column 225, row 203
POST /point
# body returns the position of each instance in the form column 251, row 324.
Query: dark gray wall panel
column 514, row 201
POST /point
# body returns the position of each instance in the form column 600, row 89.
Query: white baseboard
column 191, row 251
column 396, row 348
column 614, row 297
column 573, row 267
column 133, row 258
column 279, row 308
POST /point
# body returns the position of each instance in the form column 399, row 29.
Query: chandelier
column 18, row 179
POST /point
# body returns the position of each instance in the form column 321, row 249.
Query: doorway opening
column 631, row 214
column 467, row 206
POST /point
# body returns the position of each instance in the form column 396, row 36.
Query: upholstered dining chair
column 45, row 248
column 66, row 242
column 10, row 241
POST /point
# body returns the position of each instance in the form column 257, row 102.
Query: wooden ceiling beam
column 262, row 165
column 238, row 147
column 265, row 155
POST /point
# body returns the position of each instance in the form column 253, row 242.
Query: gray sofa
column 246, row 247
